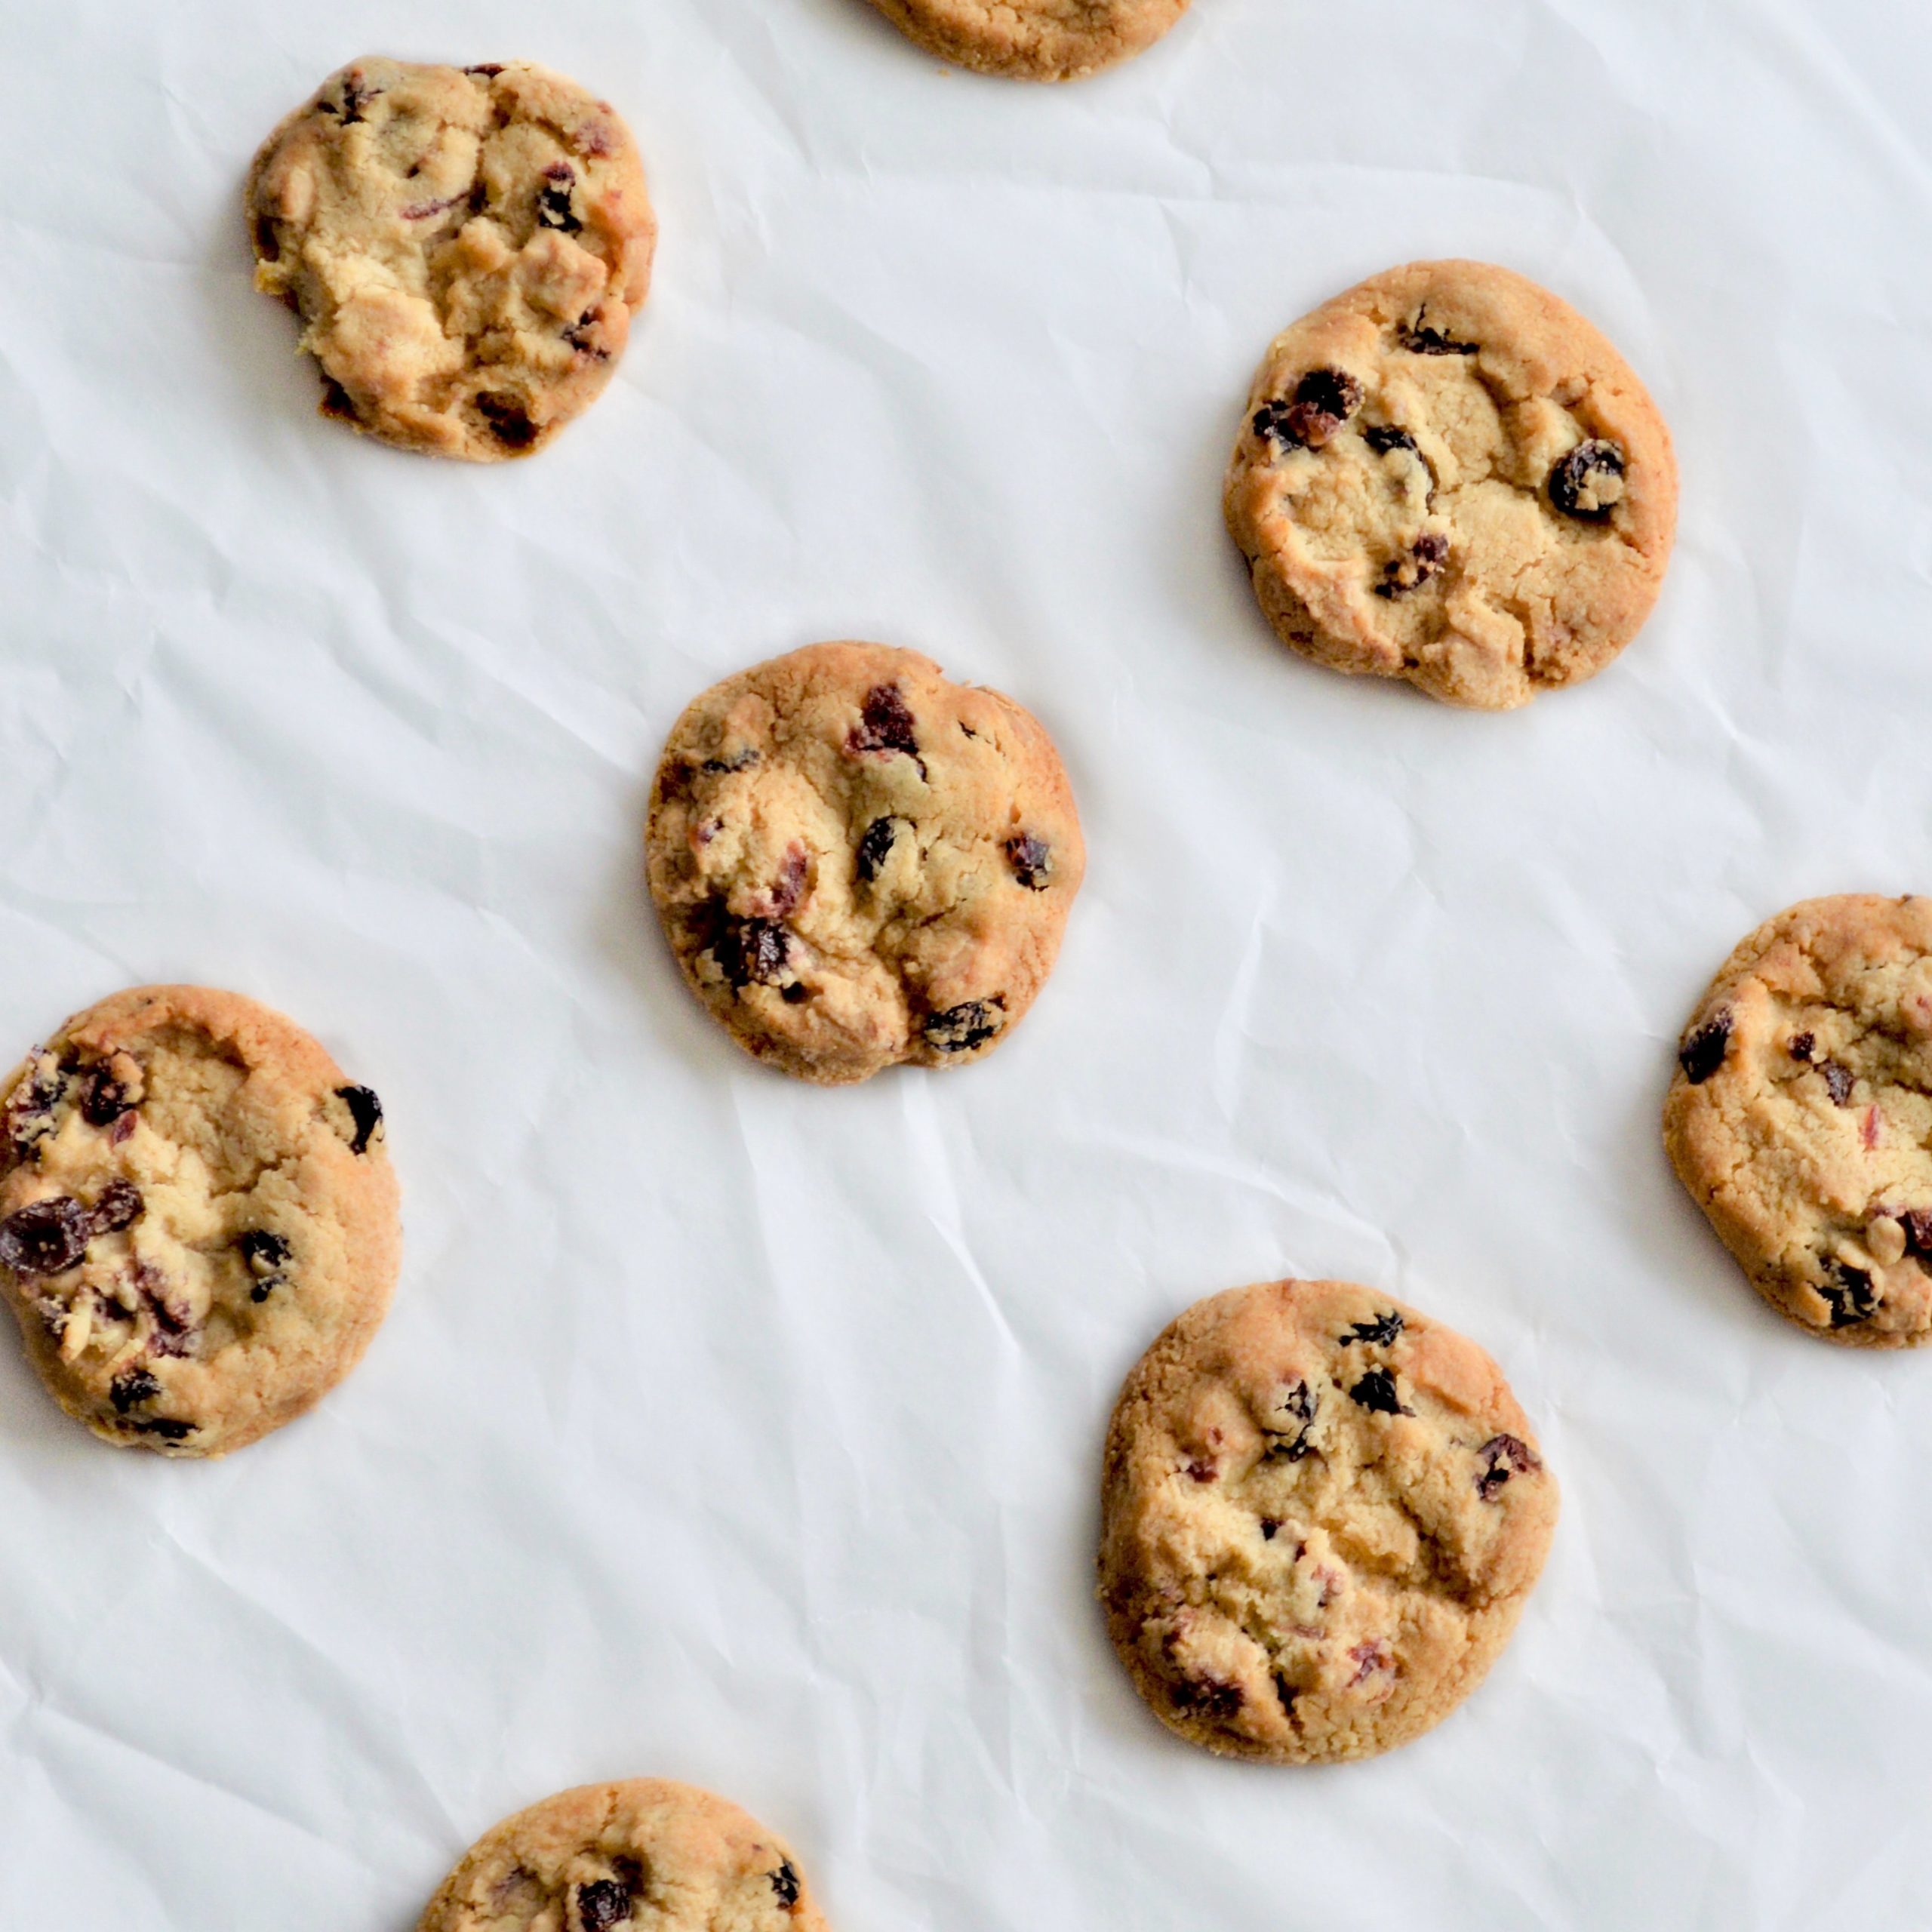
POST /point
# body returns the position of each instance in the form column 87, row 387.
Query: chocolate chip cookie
column 1324, row 1514
column 644, row 1853
column 465, row 246
column 198, row 1226
column 1801, row 1115
column 858, row 863
column 1034, row 40
column 1448, row 475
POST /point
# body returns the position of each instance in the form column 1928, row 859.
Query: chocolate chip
column 337, row 401
column 886, row 724
column 130, row 1389
column 1376, row 1391
column 1802, row 1045
column 1848, row 1293
column 509, row 420
column 1382, row 437
column 553, row 202
column 785, row 1883
column 960, row 1029
column 601, row 1904
column 46, row 1237
column 1588, row 484
column 578, row 335
column 1213, row 1697
column 875, row 846
column 266, row 1254
column 1838, row 1082
column 1422, row 560
column 1031, row 859
column 268, row 248
column 365, row 1112
column 1381, row 1331
column 1420, row 339
column 742, row 760
column 1324, row 400
column 354, row 97
column 1917, row 1222
column 1705, row 1046
column 753, row 952
column 167, row 1428
column 795, row 992
column 118, row 1205
column 103, row 1098
column 1271, row 1528
column 1503, row 1457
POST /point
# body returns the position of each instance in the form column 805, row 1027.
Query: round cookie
column 1324, row 1513
column 858, row 863
column 1034, row 40
column 644, row 1853
column 198, row 1229
column 1801, row 1115
column 1448, row 476
column 465, row 246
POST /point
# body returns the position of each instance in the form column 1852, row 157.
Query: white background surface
column 734, row 1431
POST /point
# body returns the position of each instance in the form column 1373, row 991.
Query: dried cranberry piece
column 1802, row 1045
column 118, row 1205
column 266, row 1254
column 365, row 1114
column 1502, row 1457
column 1917, row 1222
column 741, row 760
column 1212, row 1697
column 578, row 335
column 1848, row 1293
column 785, row 1883
column 509, row 420
column 753, row 952
column 1838, row 1082
column 1324, row 400
column 1705, row 1046
column 1296, row 1401
column 354, row 97
column 1588, row 484
column 1379, row 1331
column 960, row 1029
column 790, row 887
column 337, row 401
column 601, row 1904
column 103, row 1098
column 31, row 1105
column 1416, row 566
column 1383, row 437
column 45, row 1237
column 553, row 200
column 875, row 846
column 1376, row 1391
column 131, row 1388
column 886, row 724
column 167, row 1428
column 1200, row 1471
column 1031, row 859
column 487, row 69
column 423, row 210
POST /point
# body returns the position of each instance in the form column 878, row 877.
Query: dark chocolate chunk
column 741, row 760
column 553, row 200
column 1376, row 1391
column 795, row 993
column 960, row 1029
column 1324, row 400
column 487, row 69
column 1838, row 1082
column 785, row 1883
column 1419, row 339
column 354, row 97
column 266, row 1255
column 118, row 1205
column 1802, row 1046
column 365, row 1112
column 753, row 952
column 1213, row 1697
column 1031, row 859
column 1271, row 1528
column 30, row 1106
column 103, row 1098
column 167, row 1428
column 131, row 1388
column 1847, row 1292
column 1917, row 1222
column 578, row 335
column 1705, row 1046
column 337, row 401
column 1423, row 561
column 509, row 420
column 45, row 1237
column 602, row 1904
column 1382, row 437
column 875, row 846
column 1381, row 1331
column 1503, row 1457
column 1588, row 484
column 886, row 724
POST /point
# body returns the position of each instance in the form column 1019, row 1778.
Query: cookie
column 465, row 246
column 1034, row 40
column 1801, row 1115
column 198, row 1228
column 858, row 863
column 1324, row 1513
column 1448, row 475
column 643, row 1852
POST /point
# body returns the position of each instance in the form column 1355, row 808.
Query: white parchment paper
column 730, row 1430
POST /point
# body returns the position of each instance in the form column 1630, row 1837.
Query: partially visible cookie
column 1801, row 1115
column 1448, row 475
column 465, row 246
column 645, row 1853
column 1324, row 1514
column 198, row 1229
column 858, row 863
column 1034, row 40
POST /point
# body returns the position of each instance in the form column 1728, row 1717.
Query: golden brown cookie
column 1448, row 476
column 1801, row 1115
column 465, row 246
column 1034, row 40
column 859, row 862
column 1324, row 1513
column 646, row 1853
column 198, row 1228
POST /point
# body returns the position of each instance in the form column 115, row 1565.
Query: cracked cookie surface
column 859, row 863
column 644, row 1853
column 1800, row 1118
column 1323, row 1515
column 465, row 246
column 1448, row 475
column 198, row 1230
column 1035, row 40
